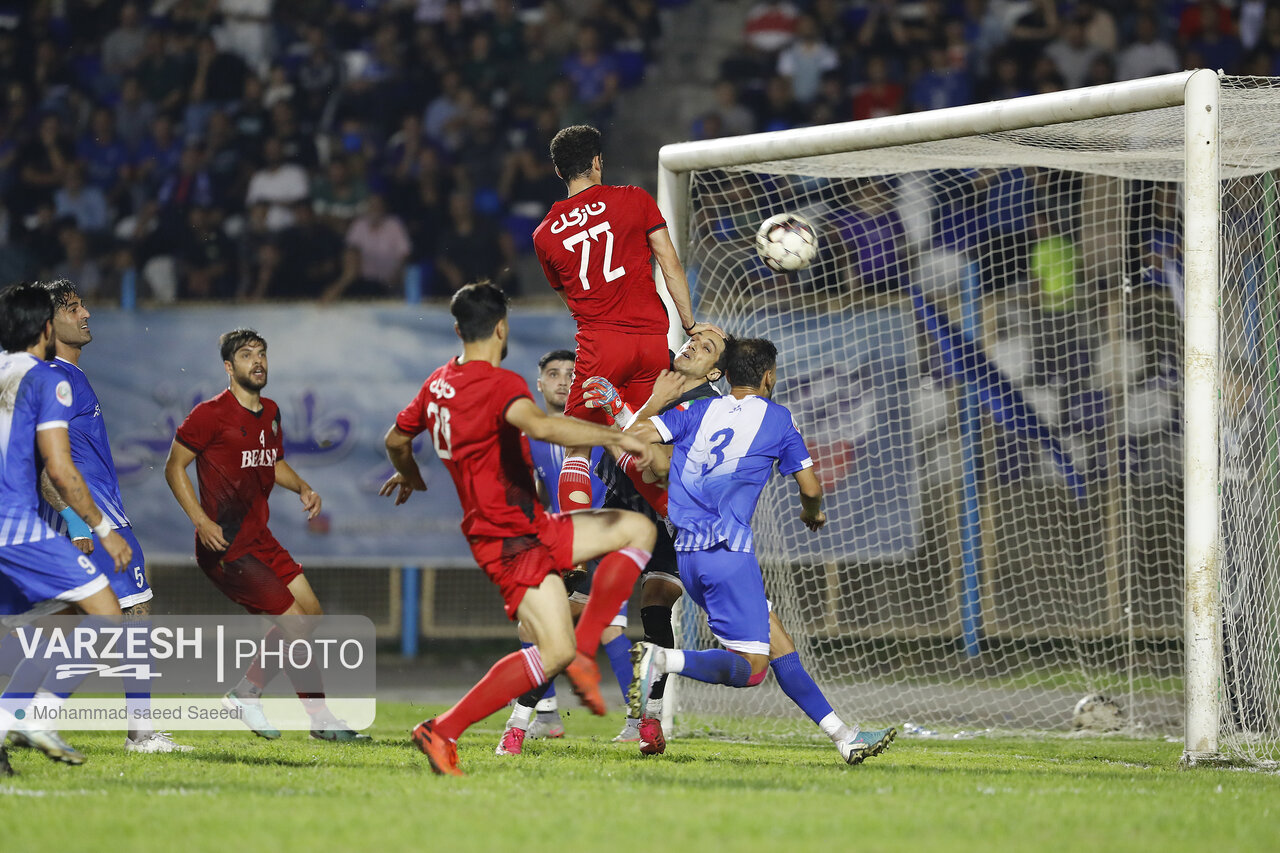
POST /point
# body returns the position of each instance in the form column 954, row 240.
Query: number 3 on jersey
column 439, row 417
column 585, row 238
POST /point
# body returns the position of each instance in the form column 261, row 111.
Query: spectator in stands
column 228, row 171
column 1100, row 29
column 219, row 75
column 122, row 49
column 1197, row 17
column 472, row 247
column 108, row 163
column 1213, row 47
column 594, row 74
column 871, row 233
column 940, row 85
column 159, row 156
column 41, row 166
column 377, row 249
column 778, row 110
column 1053, row 267
column 249, row 118
column 882, row 33
column 78, row 264
column 246, row 30
column 1148, row 55
column 880, row 95
column 82, row 202
column 339, row 196
column 310, row 259
column 805, row 60
column 735, row 119
column 1031, row 32
column 134, row 113
column 297, row 146
column 161, row 75
column 188, row 187
column 424, row 204
column 446, row 113
column 278, row 184
column 318, row 78
column 1071, row 53
column 206, row 257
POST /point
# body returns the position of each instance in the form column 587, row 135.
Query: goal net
column 988, row 361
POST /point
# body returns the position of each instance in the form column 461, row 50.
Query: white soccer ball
column 1097, row 713
column 787, row 242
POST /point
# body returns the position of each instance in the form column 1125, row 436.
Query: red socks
column 514, row 675
column 610, row 588
column 575, row 484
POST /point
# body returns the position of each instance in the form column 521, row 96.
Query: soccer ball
column 1097, row 713
column 787, row 242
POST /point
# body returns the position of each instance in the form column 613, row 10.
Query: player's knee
column 556, row 655
column 656, row 592
column 640, row 532
column 759, row 666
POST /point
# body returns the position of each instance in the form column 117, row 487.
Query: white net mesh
column 1005, row 516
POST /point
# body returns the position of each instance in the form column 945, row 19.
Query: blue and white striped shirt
column 725, row 450
column 90, row 450
column 34, row 396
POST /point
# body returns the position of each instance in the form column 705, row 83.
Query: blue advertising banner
column 340, row 375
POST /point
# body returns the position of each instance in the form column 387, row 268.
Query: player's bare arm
column 660, row 455
column 664, row 252
column 175, row 474
column 289, row 479
column 810, row 499
column 525, row 415
column 51, row 496
column 408, row 476
column 55, row 447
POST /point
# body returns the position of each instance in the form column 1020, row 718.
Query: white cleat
column 630, row 732
column 647, row 666
column 864, row 745
column 49, row 742
column 155, row 742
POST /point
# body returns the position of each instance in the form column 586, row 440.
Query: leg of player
column 623, row 541
column 142, row 737
column 542, row 700
column 657, row 597
column 795, row 681
column 575, row 479
column 544, row 610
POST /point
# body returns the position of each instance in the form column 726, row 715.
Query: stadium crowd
column 301, row 149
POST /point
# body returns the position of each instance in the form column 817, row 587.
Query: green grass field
column 586, row 794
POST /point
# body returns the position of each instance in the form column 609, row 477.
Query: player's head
column 479, row 312
column 26, row 319
column 244, row 356
column 555, row 377
column 702, row 357
column 752, row 363
column 70, row 316
column 574, row 151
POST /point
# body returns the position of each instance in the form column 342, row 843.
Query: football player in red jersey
column 597, row 248
column 238, row 447
column 475, row 412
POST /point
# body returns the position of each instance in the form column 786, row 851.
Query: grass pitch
column 586, row 794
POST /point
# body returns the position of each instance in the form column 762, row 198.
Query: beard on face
column 245, row 380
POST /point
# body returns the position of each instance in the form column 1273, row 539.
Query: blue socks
column 717, row 666
column 800, row 687
column 619, row 651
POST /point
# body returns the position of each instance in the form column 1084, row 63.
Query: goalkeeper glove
column 599, row 393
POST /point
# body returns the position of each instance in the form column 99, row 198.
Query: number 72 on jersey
column 585, row 238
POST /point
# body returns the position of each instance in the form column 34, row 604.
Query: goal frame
column 1198, row 93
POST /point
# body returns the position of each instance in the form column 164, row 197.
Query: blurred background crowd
column 309, row 149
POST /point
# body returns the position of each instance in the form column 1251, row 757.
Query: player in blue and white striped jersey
column 725, row 450
column 91, row 450
column 35, row 402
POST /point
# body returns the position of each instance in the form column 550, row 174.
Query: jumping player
column 238, row 447
column 475, row 411
column 725, row 450
column 597, row 248
column 91, row 451
column 37, row 402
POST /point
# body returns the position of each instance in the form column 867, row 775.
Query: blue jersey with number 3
column 725, row 450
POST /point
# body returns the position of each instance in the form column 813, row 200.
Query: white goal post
column 713, row 191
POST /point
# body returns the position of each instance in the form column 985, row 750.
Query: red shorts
column 517, row 563
column 258, row 581
column 630, row 362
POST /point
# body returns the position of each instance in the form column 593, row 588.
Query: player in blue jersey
column 555, row 377
column 91, row 451
column 35, row 405
column 724, row 453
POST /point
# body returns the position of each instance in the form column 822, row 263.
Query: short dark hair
column 573, row 149
column 25, row 309
column 555, row 355
column 747, row 360
column 61, row 290
column 476, row 309
column 231, row 341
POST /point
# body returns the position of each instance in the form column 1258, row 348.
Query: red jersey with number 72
column 464, row 408
column 594, row 248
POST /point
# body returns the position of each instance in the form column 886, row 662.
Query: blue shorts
column 131, row 585
column 729, row 587
column 51, row 568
